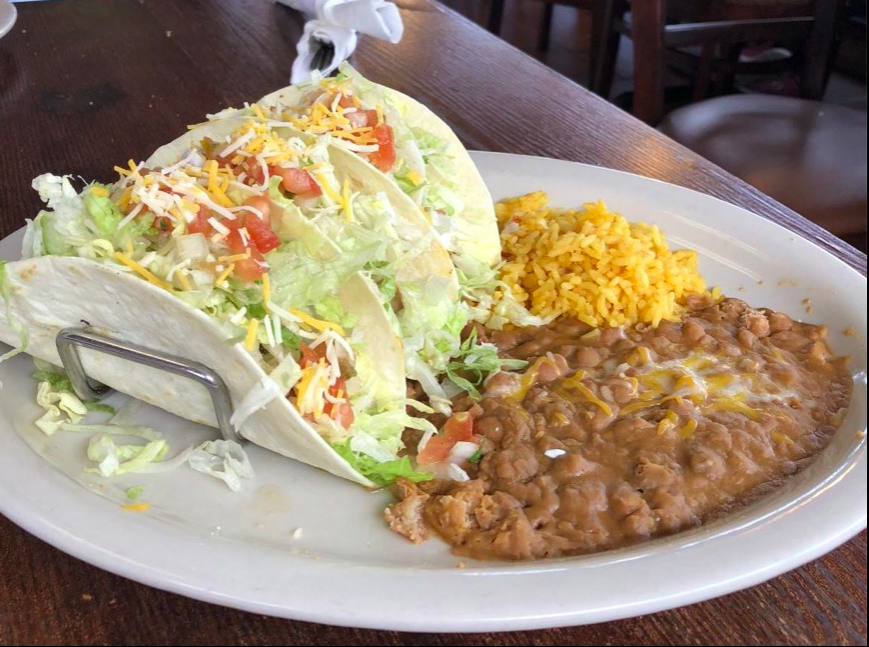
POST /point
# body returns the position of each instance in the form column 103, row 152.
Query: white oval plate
column 200, row 540
column 8, row 14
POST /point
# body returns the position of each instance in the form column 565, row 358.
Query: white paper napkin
column 336, row 22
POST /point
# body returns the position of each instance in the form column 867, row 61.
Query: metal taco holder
column 69, row 339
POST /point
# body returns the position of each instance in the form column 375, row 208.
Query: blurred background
column 774, row 91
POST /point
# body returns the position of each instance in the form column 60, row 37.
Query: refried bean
column 612, row 437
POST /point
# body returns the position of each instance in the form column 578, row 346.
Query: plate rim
column 6, row 27
column 54, row 534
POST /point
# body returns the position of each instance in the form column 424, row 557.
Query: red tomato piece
column 261, row 234
column 310, row 355
column 384, row 158
column 342, row 414
column 460, row 428
column 252, row 268
column 236, row 242
column 253, row 171
column 261, row 203
column 200, row 224
column 297, row 182
column 436, row 450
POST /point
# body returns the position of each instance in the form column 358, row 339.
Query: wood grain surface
column 86, row 84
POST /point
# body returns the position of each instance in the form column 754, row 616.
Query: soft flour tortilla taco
column 196, row 258
column 348, row 212
column 50, row 293
column 404, row 140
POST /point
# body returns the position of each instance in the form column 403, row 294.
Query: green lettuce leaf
column 381, row 473
column 104, row 212
column 474, row 362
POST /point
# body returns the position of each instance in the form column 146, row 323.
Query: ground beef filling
column 614, row 437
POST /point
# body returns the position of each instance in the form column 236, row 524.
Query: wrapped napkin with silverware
column 332, row 28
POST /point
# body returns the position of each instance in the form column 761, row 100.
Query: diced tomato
column 342, row 414
column 384, row 158
column 239, row 222
column 436, row 450
column 236, row 243
column 310, row 355
column 345, row 101
column 200, row 224
column 251, row 269
column 261, row 234
column 253, row 170
column 297, row 182
column 459, row 428
column 261, row 203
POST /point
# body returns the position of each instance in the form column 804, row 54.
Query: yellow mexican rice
column 592, row 263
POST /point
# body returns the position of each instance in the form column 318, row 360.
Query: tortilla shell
column 433, row 260
column 476, row 231
column 51, row 293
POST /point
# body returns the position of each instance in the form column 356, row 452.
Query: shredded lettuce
column 135, row 493
column 262, row 393
column 100, row 407
column 331, row 309
column 224, row 460
column 386, row 428
column 475, row 362
column 61, row 407
column 63, row 226
column 114, row 460
column 32, row 245
column 104, row 212
column 58, row 381
column 13, row 322
column 384, row 473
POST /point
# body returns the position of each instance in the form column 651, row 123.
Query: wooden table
column 86, row 84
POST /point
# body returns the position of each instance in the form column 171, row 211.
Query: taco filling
column 298, row 263
column 399, row 138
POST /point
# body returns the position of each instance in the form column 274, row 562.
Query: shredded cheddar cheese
column 234, row 258
column 252, row 330
column 316, row 323
column 267, row 291
column 224, row 275
column 348, row 207
column 138, row 269
column 327, row 188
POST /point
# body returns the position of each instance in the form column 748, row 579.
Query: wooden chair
column 720, row 25
column 600, row 23
column 808, row 155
